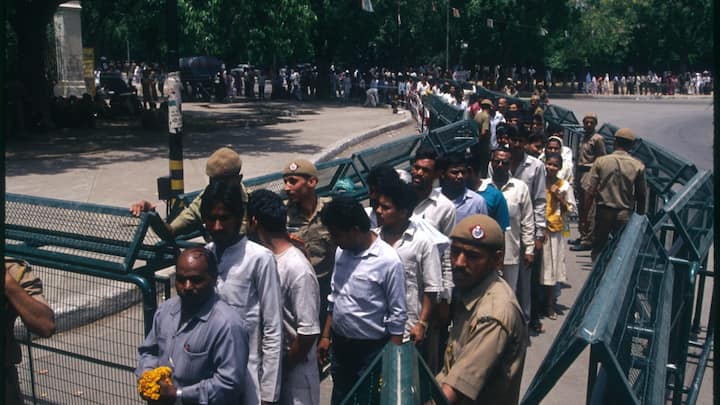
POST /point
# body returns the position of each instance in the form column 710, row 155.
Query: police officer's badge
column 477, row 232
column 293, row 166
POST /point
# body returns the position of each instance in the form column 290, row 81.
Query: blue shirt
column 470, row 203
column 367, row 298
column 208, row 353
column 496, row 205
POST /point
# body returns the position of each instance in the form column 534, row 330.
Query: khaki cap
column 301, row 167
column 479, row 230
column 535, row 97
column 223, row 162
column 486, row 102
column 625, row 133
column 592, row 116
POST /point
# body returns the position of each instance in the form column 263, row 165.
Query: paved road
column 684, row 126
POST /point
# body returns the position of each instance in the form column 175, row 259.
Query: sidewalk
column 118, row 163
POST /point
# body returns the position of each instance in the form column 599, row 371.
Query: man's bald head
column 199, row 256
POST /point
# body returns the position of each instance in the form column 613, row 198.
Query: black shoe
column 580, row 248
column 574, row 241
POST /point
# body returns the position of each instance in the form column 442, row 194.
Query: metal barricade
column 97, row 264
column 397, row 376
column 622, row 313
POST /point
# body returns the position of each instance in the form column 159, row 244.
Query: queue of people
column 462, row 257
column 318, row 281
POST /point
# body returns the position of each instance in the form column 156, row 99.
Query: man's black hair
column 381, row 174
column 228, row 193
column 474, row 163
column 502, row 129
column 344, row 213
column 401, row 194
column 503, row 148
column 269, row 210
column 624, row 143
column 451, row 159
column 425, row 152
column 556, row 156
column 520, row 132
column 536, row 136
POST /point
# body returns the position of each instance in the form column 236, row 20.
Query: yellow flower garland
column 149, row 383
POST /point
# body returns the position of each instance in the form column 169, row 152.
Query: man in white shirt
column 519, row 240
column 439, row 211
column 247, row 280
column 367, row 304
column 417, row 250
column 267, row 217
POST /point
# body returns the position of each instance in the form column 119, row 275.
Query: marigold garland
column 149, row 383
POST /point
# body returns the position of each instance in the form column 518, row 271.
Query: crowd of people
column 463, row 256
column 321, row 280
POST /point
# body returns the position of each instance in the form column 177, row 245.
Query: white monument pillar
column 69, row 50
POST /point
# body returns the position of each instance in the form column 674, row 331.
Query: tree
column 29, row 20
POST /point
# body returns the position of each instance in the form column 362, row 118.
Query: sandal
column 537, row 327
column 552, row 315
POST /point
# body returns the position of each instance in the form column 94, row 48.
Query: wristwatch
column 178, row 396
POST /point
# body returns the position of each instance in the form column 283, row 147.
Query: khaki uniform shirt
column 618, row 178
column 483, row 120
column 319, row 248
column 539, row 111
column 23, row 274
column 590, row 149
column 190, row 218
column 485, row 354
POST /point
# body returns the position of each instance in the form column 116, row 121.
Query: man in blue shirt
column 201, row 338
column 367, row 300
column 494, row 200
column 453, row 171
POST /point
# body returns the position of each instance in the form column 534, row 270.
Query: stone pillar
column 69, row 50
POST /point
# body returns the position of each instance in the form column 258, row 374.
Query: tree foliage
column 560, row 34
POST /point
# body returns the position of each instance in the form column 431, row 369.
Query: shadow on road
column 248, row 126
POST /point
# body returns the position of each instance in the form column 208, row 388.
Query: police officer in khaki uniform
column 535, row 107
column 223, row 165
column 24, row 295
column 486, row 351
column 481, row 150
column 305, row 226
column 591, row 147
column 616, row 183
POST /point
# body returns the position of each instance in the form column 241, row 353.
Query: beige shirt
column 619, row 177
column 190, row 219
column 486, row 349
column 590, row 149
column 23, row 274
column 319, row 247
column 483, row 120
column 522, row 222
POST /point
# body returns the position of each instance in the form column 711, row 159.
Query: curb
column 354, row 139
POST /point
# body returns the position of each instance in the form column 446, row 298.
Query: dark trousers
column 586, row 237
column 480, row 152
column 608, row 221
column 12, row 386
column 350, row 358
column 325, row 289
column 536, row 297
